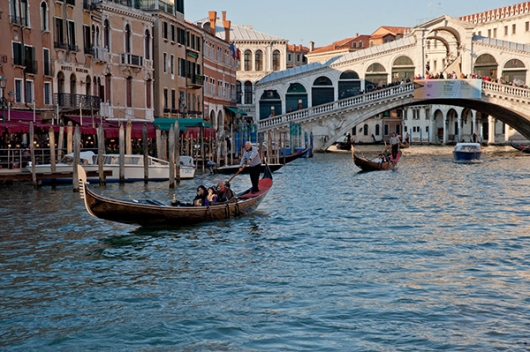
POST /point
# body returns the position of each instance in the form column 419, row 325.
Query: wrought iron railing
column 77, row 100
column 131, row 60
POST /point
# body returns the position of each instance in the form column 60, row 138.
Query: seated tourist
column 200, row 198
column 224, row 193
column 211, row 197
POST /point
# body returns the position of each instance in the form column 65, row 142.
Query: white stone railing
column 507, row 90
column 357, row 101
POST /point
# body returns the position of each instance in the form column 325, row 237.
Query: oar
column 237, row 173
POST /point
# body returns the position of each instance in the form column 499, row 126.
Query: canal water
column 432, row 257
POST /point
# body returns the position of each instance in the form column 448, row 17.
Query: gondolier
column 394, row 141
column 252, row 161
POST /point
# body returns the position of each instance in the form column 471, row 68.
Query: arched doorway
column 514, row 71
column 270, row 104
column 349, row 84
column 486, row 66
column 375, row 77
column 403, row 69
column 322, row 91
column 296, row 97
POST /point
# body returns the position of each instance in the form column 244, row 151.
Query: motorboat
column 467, row 152
column 133, row 167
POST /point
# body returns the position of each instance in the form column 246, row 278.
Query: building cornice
column 126, row 11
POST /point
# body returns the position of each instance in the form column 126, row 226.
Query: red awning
column 20, row 115
column 195, row 132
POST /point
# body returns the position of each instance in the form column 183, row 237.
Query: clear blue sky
column 326, row 21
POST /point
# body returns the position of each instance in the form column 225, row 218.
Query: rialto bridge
column 330, row 98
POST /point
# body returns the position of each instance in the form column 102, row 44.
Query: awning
column 165, row 123
column 235, row 110
column 20, row 115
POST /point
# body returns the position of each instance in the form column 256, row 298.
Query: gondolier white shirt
column 252, row 155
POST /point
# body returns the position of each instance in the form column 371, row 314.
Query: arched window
column 258, row 61
column 127, row 38
column 276, row 60
column 148, row 93
column 44, row 16
column 106, row 34
column 147, row 45
column 247, row 59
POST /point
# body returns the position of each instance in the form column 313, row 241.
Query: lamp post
column 3, row 82
column 299, row 104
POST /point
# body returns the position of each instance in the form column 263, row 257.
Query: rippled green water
column 434, row 256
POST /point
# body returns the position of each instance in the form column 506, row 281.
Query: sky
column 326, row 21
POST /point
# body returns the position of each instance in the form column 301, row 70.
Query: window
column 147, row 45
column 172, row 65
column 47, row 65
column 127, row 38
column 106, row 34
column 173, row 33
column 148, row 93
column 47, row 93
column 59, row 31
column 108, row 95
column 173, row 99
column 164, row 62
column 513, row 28
column 29, row 92
column 276, row 60
column 505, row 30
column 71, row 36
column 129, row 91
column 527, row 26
column 164, row 30
column 17, row 54
column 44, row 16
column 165, row 98
column 489, row 33
column 19, row 93
column 87, row 39
column 494, row 32
column 247, row 59
column 258, row 61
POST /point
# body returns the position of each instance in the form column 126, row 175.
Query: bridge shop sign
column 448, row 89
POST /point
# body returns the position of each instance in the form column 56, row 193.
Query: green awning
column 236, row 110
column 193, row 55
column 165, row 123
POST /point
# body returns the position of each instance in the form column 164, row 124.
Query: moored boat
column 152, row 212
column 467, row 152
column 369, row 165
column 521, row 147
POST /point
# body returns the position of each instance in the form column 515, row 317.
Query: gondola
column 521, row 147
column 369, row 165
column 155, row 213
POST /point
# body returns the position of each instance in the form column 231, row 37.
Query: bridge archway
column 375, row 76
column 322, row 91
column 486, row 66
column 514, row 71
column 349, row 84
column 296, row 97
column 270, row 104
column 403, row 69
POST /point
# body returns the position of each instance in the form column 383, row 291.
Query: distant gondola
column 521, row 147
column 153, row 213
column 369, row 165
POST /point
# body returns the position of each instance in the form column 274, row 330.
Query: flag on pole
column 233, row 50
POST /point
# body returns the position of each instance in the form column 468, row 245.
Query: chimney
column 311, row 46
column 213, row 16
column 226, row 26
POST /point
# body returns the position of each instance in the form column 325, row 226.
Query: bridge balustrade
column 506, row 89
column 344, row 104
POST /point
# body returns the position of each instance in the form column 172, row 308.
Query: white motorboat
column 467, row 152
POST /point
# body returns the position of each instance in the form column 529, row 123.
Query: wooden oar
column 237, row 173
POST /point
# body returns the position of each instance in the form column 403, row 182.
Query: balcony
column 21, row 21
column 131, row 60
column 88, row 51
column 72, row 47
column 31, row 66
column 60, row 45
column 67, row 100
column 100, row 54
column 195, row 81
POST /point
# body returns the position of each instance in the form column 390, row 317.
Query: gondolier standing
column 394, row 141
column 252, row 161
